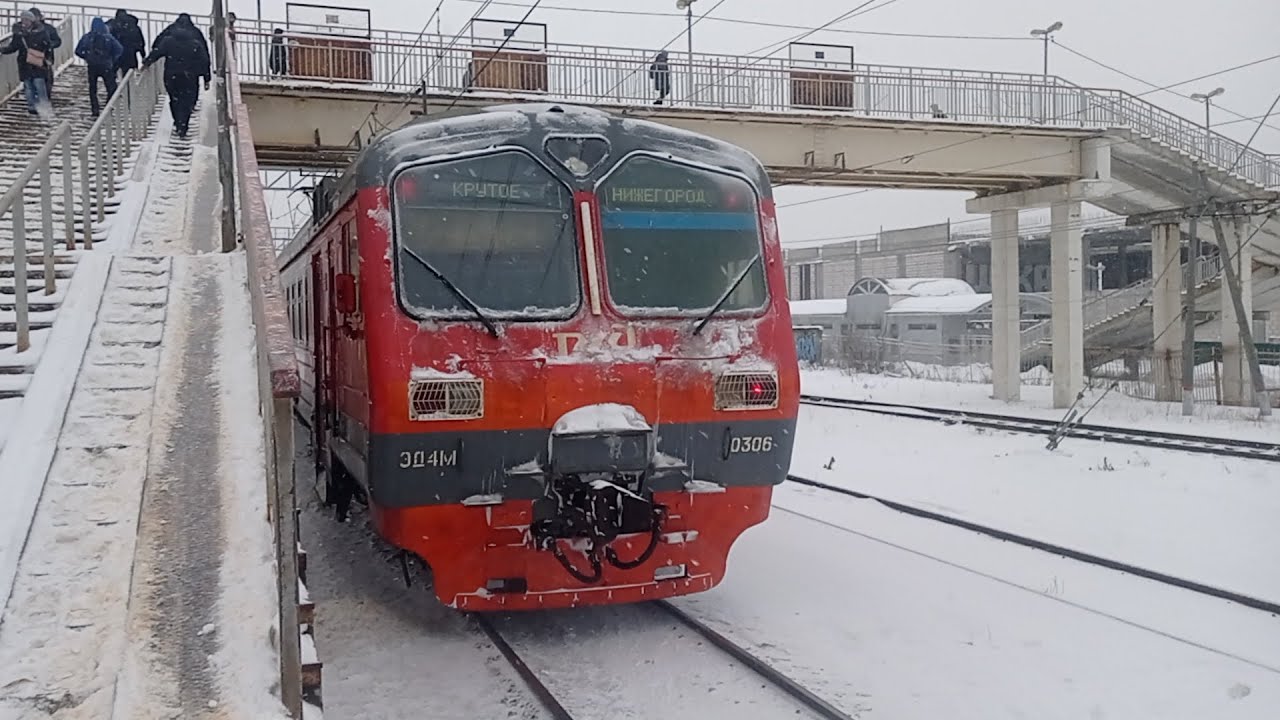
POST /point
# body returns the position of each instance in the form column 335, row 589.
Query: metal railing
column 15, row 200
column 278, row 379
column 123, row 123
column 403, row 62
column 1116, row 303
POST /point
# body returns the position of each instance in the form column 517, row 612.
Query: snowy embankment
column 892, row 616
column 1199, row 517
column 1037, row 402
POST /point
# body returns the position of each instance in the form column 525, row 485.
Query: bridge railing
column 123, row 122
column 278, row 379
column 14, row 203
column 411, row 63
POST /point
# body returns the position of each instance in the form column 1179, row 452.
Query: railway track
column 817, row 706
column 1164, row 578
column 1224, row 447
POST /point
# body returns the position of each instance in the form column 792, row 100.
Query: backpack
column 99, row 54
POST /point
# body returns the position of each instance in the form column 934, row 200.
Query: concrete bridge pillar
column 1006, row 307
column 1166, row 311
column 1065, row 267
column 1237, row 384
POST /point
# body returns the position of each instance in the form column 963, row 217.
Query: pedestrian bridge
column 809, row 119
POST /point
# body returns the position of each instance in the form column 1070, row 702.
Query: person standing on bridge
column 124, row 27
column 33, row 42
column 101, row 52
column 186, row 57
column 660, row 73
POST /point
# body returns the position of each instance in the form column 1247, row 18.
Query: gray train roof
column 528, row 124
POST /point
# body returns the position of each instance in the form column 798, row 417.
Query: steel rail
column 543, row 693
column 792, row 688
column 1089, row 558
column 1226, row 447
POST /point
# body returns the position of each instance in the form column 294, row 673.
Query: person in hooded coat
column 101, row 51
column 125, row 28
column 278, row 58
column 186, row 57
column 33, row 42
column 52, row 25
column 660, row 73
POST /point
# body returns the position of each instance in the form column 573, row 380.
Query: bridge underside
column 315, row 127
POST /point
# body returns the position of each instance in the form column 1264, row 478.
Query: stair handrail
column 1153, row 121
column 15, row 200
column 123, row 122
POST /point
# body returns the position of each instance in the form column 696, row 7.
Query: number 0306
column 750, row 444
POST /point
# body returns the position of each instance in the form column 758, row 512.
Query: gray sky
column 1160, row 41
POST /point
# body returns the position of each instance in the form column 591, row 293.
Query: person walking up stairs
column 186, row 57
column 100, row 52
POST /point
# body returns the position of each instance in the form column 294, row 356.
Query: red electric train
column 550, row 347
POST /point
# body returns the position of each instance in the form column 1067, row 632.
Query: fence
column 278, row 380
column 123, row 122
column 14, row 201
column 1138, row 372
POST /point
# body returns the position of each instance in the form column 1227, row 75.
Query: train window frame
column 627, row 311
column 463, row 314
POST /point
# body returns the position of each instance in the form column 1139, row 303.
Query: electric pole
column 1189, row 315
column 1245, row 324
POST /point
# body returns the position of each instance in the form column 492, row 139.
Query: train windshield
column 676, row 239
column 486, row 237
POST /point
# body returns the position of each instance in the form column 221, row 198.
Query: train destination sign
column 659, row 196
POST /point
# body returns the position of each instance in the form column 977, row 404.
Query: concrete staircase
column 21, row 136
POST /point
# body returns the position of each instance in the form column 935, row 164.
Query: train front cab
column 580, row 390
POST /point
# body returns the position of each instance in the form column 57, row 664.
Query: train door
column 325, row 321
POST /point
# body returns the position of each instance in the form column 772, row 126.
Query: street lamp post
column 1044, row 91
column 1207, row 99
column 687, row 6
column 1045, row 33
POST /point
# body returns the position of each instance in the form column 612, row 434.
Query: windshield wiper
column 725, row 297
column 457, row 292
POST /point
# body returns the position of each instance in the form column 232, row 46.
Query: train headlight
column 446, row 399
column 747, row 390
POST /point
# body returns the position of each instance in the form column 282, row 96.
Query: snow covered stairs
column 21, row 136
column 69, row 598
column 146, row 586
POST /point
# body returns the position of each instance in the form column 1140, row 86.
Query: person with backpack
column 124, row 27
column 32, row 42
column 101, row 51
column 186, row 58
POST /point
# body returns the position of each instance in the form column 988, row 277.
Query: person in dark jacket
column 186, row 57
column 124, row 27
column 101, row 51
column 52, row 25
column 278, row 59
column 32, row 42
column 660, row 73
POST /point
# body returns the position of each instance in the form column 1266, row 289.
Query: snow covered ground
column 1195, row 516
column 1037, row 401
column 896, row 617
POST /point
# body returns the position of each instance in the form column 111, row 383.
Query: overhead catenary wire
column 1239, row 116
column 762, row 53
column 765, row 24
column 506, row 38
column 665, row 45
